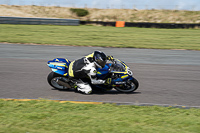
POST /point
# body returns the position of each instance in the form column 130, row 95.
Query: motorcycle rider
column 86, row 67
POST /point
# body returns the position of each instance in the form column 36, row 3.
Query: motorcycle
column 117, row 70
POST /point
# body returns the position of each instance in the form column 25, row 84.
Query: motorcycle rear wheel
column 130, row 86
column 52, row 77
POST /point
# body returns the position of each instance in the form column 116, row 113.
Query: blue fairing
column 101, row 73
column 59, row 65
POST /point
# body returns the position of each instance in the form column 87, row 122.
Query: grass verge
column 50, row 117
column 102, row 36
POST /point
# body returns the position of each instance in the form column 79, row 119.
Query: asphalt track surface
column 166, row 77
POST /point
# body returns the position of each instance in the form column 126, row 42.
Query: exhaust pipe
column 60, row 82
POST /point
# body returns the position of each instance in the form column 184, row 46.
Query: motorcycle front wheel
column 129, row 86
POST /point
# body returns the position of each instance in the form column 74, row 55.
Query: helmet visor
column 101, row 63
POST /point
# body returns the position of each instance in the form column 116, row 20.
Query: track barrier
column 76, row 22
column 38, row 21
column 144, row 25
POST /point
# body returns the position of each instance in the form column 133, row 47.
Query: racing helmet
column 100, row 59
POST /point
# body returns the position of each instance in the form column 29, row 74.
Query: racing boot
column 84, row 88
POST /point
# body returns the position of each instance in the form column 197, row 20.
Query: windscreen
column 117, row 66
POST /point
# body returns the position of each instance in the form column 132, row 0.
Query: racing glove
column 110, row 58
column 108, row 81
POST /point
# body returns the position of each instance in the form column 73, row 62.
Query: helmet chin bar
column 98, row 65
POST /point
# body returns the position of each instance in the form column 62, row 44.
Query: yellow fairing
column 71, row 73
column 124, row 76
column 58, row 64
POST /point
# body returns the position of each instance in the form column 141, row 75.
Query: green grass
column 102, row 36
column 53, row 117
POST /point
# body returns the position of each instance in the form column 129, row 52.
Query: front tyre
column 52, row 78
column 129, row 86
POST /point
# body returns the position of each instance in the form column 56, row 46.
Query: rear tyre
column 52, row 78
column 130, row 86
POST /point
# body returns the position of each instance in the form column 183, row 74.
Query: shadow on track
column 100, row 92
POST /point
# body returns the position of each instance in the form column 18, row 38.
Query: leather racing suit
column 83, row 68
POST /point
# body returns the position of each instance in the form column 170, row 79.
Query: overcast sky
column 127, row 4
